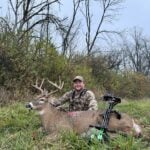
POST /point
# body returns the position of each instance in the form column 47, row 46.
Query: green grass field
column 19, row 130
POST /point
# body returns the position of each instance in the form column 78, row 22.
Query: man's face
column 78, row 85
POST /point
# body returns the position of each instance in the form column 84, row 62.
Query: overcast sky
column 134, row 13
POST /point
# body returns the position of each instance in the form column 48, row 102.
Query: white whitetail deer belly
column 42, row 112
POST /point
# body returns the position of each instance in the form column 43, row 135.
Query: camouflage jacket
column 79, row 101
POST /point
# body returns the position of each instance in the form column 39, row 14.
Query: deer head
column 44, row 96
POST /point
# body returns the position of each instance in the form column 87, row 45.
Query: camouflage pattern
column 85, row 101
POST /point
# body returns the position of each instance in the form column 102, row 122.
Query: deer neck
column 48, row 117
column 47, row 110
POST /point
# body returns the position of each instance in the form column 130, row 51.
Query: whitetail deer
column 54, row 120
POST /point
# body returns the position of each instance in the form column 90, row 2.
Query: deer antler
column 44, row 91
column 59, row 87
column 39, row 87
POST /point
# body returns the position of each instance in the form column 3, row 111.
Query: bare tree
column 70, row 32
column 109, row 8
column 30, row 13
column 113, row 59
column 137, row 52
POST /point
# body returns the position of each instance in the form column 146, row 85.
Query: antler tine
column 60, row 86
column 61, row 83
column 42, row 82
column 39, row 87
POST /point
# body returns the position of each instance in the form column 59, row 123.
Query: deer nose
column 29, row 106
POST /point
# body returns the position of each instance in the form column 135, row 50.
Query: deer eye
column 42, row 100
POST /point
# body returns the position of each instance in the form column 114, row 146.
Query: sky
column 134, row 13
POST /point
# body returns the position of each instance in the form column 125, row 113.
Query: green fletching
column 92, row 136
column 100, row 134
column 97, row 134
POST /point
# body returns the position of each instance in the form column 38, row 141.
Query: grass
column 19, row 130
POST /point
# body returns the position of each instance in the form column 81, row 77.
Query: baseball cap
column 78, row 78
